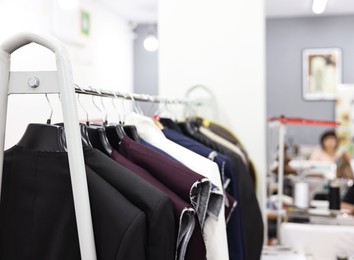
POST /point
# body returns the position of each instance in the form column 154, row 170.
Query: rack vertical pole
column 282, row 130
column 4, row 79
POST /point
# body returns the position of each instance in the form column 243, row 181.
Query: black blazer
column 37, row 218
column 156, row 204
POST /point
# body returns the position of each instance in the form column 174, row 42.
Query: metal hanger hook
column 135, row 109
column 124, row 110
column 83, row 108
column 104, row 108
column 115, row 107
column 49, row 120
column 95, row 104
column 136, row 106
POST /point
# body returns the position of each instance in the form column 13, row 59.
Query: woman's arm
column 347, row 206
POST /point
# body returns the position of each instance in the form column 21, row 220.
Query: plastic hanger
column 115, row 133
column 97, row 134
column 83, row 127
column 44, row 137
column 131, row 130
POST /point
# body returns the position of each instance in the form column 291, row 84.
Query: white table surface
column 323, row 242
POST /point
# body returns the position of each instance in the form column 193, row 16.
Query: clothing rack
column 59, row 82
column 282, row 122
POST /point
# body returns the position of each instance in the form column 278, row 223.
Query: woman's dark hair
column 325, row 135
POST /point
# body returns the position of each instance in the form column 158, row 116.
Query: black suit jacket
column 156, row 204
column 37, row 218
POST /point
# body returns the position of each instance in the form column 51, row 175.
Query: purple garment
column 184, row 213
column 148, row 145
column 187, row 184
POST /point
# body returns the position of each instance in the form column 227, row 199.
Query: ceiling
column 299, row 8
column 140, row 11
column 145, row 11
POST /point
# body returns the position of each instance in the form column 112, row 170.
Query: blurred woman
column 329, row 153
column 329, row 148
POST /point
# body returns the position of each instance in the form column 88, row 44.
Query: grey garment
column 216, row 201
column 185, row 231
column 201, row 195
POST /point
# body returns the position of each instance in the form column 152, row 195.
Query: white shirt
column 214, row 227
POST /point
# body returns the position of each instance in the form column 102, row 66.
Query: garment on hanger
column 189, row 186
column 221, row 131
column 251, row 214
column 153, row 202
column 227, row 134
column 98, row 138
column 44, row 137
column 220, row 140
column 150, row 146
column 169, row 123
column 37, row 218
column 235, row 231
column 152, row 199
column 184, row 212
column 214, row 227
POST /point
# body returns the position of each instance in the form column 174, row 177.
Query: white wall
column 219, row 44
column 102, row 60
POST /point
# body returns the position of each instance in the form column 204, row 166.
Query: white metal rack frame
column 33, row 82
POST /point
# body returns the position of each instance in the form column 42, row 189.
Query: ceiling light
column 319, row 6
column 68, row 4
column 151, row 43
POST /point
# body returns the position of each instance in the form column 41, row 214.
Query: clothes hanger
column 115, row 132
column 44, row 137
column 97, row 134
column 131, row 130
column 83, row 127
column 189, row 126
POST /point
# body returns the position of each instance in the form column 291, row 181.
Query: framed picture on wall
column 322, row 73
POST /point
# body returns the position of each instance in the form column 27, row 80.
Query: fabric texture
column 37, row 218
column 214, row 227
column 184, row 212
column 235, row 233
column 250, row 211
column 189, row 186
column 222, row 131
column 156, row 205
column 231, row 137
column 223, row 142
